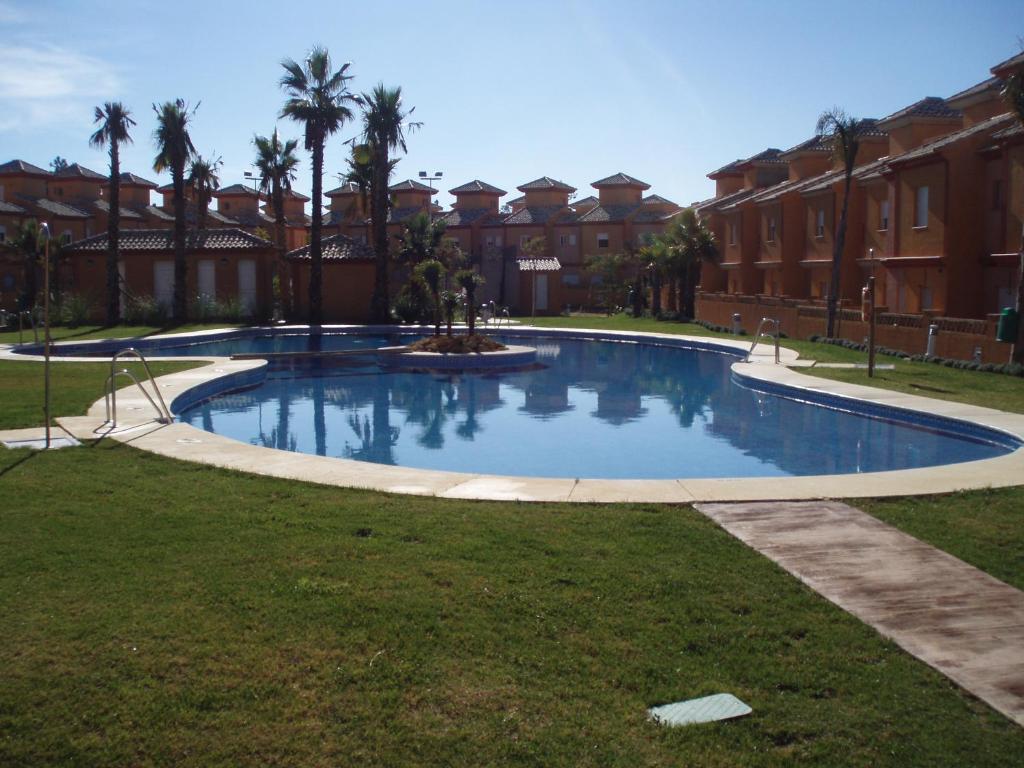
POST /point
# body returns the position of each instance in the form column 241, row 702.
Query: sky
column 506, row 91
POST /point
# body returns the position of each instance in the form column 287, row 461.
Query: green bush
column 74, row 309
column 203, row 309
column 413, row 303
column 230, row 310
column 145, row 310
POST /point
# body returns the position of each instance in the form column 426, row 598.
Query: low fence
column 958, row 338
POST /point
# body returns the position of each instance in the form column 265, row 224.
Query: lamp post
column 44, row 231
column 427, row 177
column 253, row 178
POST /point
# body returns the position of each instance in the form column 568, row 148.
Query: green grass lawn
column 86, row 332
column 251, row 621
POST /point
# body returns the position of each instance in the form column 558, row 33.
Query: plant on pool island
column 174, row 149
column 469, row 281
column 430, row 272
column 384, row 125
column 843, row 133
column 114, row 120
column 319, row 99
column 450, row 300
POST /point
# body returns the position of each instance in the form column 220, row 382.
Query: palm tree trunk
column 379, row 305
column 690, row 290
column 656, row 293
column 113, row 232
column 316, row 278
column 837, row 257
column 280, row 267
column 180, row 264
column 673, row 293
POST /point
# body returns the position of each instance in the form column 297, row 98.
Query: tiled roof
column 928, row 107
column 291, row 193
column 477, row 186
column 620, row 180
column 538, row 265
column 729, row 169
column 1014, row 130
column 76, row 171
column 157, row 212
column 126, row 213
column 985, row 87
column 587, row 202
column 736, row 167
column 410, row 186
column 11, row 208
column 813, row 144
column 546, row 182
column 869, row 126
column 463, row 217
column 138, row 181
column 657, row 200
column 604, row 213
column 992, row 124
column 731, row 202
column 61, row 210
column 348, row 188
column 646, row 215
column 166, row 188
column 336, row 248
column 1010, row 63
column 540, row 214
column 150, row 240
column 246, row 218
column 236, row 189
column 20, row 167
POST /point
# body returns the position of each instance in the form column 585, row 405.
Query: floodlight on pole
column 431, row 177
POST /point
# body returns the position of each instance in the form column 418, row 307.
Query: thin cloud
column 50, row 84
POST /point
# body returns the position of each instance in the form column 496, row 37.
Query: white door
column 208, row 279
column 542, row 292
column 163, row 283
column 247, row 285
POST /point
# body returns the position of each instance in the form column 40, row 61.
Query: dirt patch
column 457, row 345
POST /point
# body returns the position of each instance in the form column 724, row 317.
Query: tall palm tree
column 114, row 121
column 843, row 133
column 693, row 245
column 276, row 162
column 385, row 123
column 174, row 149
column 319, row 99
column 204, row 179
column 1013, row 93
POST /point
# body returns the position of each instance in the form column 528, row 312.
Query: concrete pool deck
column 181, row 441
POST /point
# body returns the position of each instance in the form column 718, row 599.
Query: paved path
column 959, row 620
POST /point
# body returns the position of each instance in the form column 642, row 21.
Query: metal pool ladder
column 766, row 322
column 163, row 413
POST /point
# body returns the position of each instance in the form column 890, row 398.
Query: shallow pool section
column 591, row 409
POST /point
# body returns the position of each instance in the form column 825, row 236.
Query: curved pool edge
column 185, row 442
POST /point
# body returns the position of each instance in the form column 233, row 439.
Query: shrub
column 202, row 308
column 75, row 309
column 231, row 310
column 413, row 304
column 145, row 310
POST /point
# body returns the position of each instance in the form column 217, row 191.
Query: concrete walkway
column 959, row 620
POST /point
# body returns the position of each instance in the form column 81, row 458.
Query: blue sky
column 507, row 92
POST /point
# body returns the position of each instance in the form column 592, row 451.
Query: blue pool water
column 590, row 409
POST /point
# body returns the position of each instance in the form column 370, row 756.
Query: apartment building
column 935, row 210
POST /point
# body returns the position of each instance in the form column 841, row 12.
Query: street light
column 436, row 176
column 253, row 178
column 44, row 232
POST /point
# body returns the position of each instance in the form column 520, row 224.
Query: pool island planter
column 510, row 357
column 183, row 441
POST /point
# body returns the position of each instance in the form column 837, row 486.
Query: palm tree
column 469, row 281
column 384, row 126
column 174, row 149
column 430, row 271
column 27, row 241
column 204, row 179
column 276, row 163
column 114, row 122
column 843, row 133
column 360, row 173
column 690, row 245
column 655, row 254
column 319, row 99
column 1013, row 93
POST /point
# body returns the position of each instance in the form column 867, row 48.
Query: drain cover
column 721, row 706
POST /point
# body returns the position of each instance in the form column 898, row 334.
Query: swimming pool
column 594, row 408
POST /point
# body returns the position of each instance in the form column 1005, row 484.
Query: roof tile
column 477, row 186
column 149, row 240
column 546, row 182
column 335, row 248
column 620, row 180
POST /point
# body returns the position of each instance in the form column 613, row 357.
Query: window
column 926, row 297
column 3, row 234
column 565, row 240
column 602, row 240
column 1, row 191
column 997, row 194
column 883, row 215
column 570, row 279
column 921, row 209
column 493, row 241
column 732, row 233
column 819, row 228
column 771, row 229
column 523, row 240
column 65, row 237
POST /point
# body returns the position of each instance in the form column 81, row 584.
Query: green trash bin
column 1007, row 328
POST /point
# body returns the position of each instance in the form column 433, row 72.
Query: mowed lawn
column 159, row 612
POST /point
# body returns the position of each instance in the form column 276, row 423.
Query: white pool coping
column 182, row 441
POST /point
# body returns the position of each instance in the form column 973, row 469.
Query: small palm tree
column 690, row 245
column 469, row 281
column 431, row 271
column 276, row 163
column 450, row 300
column 114, row 121
column 843, row 133
column 385, row 123
column 174, row 149
column 421, row 237
column 204, row 180
column 655, row 255
column 318, row 97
